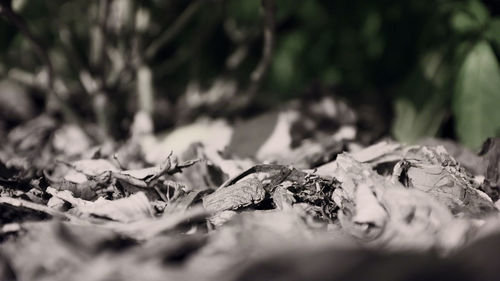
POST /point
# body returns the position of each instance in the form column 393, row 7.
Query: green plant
column 457, row 76
column 433, row 61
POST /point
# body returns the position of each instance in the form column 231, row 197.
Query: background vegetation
column 431, row 65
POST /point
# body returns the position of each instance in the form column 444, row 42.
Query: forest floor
column 305, row 192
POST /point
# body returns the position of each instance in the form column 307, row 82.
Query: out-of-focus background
column 428, row 68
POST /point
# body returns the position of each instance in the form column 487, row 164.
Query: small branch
column 258, row 74
column 37, row 45
column 95, row 86
column 262, row 67
column 171, row 32
column 260, row 168
column 41, row 52
column 98, row 35
column 20, row 203
column 144, row 75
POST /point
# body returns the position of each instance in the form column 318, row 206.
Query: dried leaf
column 378, row 211
column 71, row 140
column 215, row 134
column 142, row 174
column 20, row 203
column 239, row 195
column 133, row 208
column 148, row 228
column 87, row 190
column 464, row 155
column 88, row 167
column 439, row 175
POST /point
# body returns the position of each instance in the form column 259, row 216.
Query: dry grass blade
column 35, row 207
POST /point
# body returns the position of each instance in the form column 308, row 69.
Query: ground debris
column 433, row 171
column 491, row 155
column 206, row 213
column 238, row 195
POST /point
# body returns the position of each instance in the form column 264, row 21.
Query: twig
column 99, row 43
column 162, row 196
column 170, row 162
column 33, row 206
column 99, row 36
column 40, row 50
column 260, row 168
column 88, row 83
column 115, row 157
column 171, row 32
column 37, row 45
column 262, row 67
column 258, row 74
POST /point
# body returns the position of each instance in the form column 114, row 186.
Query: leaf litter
column 319, row 205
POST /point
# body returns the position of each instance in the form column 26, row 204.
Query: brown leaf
column 133, row 208
column 71, row 140
column 439, row 175
column 88, row 167
column 241, row 194
column 380, row 212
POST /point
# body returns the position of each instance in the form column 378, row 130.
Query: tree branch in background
column 171, row 32
column 99, row 44
column 242, row 38
column 144, row 77
column 36, row 44
column 98, row 36
column 258, row 74
column 262, row 67
column 41, row 52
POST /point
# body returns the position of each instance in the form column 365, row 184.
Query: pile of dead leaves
column 205, row 202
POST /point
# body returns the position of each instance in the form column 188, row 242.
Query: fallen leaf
column 239, row 195
column 133, row 208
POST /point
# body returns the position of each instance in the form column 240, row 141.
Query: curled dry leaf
column 439, row 175
column 133, row 208
column 239, row 195
column 465, row 156
column 88, row 167
column 283, row 199
column 380, row 212
column 312, row 190
column 32, row 207
column 221, row 218
column 230, row 167
column 206, row 174
column 87, row 190
column 142, row 174
column 170, row 166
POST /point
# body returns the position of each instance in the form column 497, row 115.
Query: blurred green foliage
column 429, row 62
